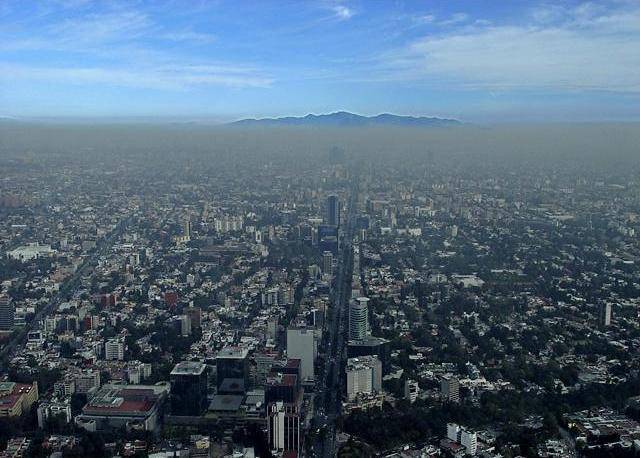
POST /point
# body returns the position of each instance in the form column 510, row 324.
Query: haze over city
column 331, row 228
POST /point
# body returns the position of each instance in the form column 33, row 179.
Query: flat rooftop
column 226, row 402
column 368, row 341
column 189, row 368
column 124, row 400
column 233, row 353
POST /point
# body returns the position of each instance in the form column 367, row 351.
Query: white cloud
column 343, row 12
column 426, row 19
column 189, row 36
column 103, row 27
column 580, row 49
column 455, row 19
column 117, row 51
column 548, row 13
column 166, row 78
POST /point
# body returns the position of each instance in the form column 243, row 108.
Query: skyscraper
column 195, row 316
column 364, row 376
column 7, row 313
column 359, row 318
column 283, row 427
column 300, row 345
column 186, row 229
column 333, row 210
column 605, row 314
column 450, row 388
column 327, row 263
column 188, row 388
column 114, row 349
column 411, row 390
column 232, row 363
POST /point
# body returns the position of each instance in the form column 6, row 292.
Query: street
column 330, row 385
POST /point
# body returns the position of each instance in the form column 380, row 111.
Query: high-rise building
column 465, row 437
column 232, row 363
column 272, row 328
column 186, row 229
column 7, row 313
column 188, row 388
column 359, row 318
column 450, row 388
column 280, row 387
column 453, row 430
column 327, row 238
column 283, row 427
column 469, row 440
column 87, row 381
column 374, row 346
column 364, row 376
column 195, row 316
column 300, row 345
column 411, row 390
column 333, row 210
column 327, row 263
column 605, row 314
column 114, row 349
column 185, row 325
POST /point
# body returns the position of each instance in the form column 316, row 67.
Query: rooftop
column 233, row 353
column 189, row 368
column 124, row 399
column 226, row 402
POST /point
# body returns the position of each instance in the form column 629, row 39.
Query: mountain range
column 346, row 119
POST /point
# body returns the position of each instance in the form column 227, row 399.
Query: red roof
column 293, row 363
column 125, row 406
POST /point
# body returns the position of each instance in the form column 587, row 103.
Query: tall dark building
column 232, row 364
column 333, row 210
column 7, row 313
column 189, row 388
column 283, row 383
column 605, row 314
column 370, row 346
column 328, row 238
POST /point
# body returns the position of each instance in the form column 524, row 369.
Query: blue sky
column 476, row 60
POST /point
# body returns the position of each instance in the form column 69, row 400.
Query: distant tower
column 333, row 210
column 453, row 431
column 327, row 263
column 7, row 313
column 450, row 388
column 186, row 230
column 411, row 390
column 605, row 314
column 359, row 318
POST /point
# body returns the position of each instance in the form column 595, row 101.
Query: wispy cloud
column 426, row 19
column 584, row 48
column 342, row 12
column 454, row 19
column 120, row 48
column 190, row 37
column 166, row 78
column 103, row 28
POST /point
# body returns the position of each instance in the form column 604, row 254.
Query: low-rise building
column 16, row 398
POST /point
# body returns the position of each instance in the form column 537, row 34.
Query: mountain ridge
column 345, row 118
